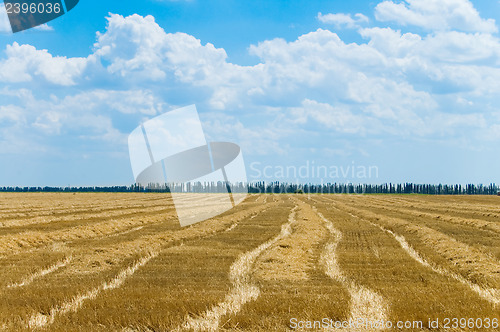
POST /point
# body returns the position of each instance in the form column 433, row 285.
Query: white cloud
column 127, row 102
column 23, row 62
column 435, row 15
column 261, row 140
column 340, row 19
column 50, row 122
column 87, row 115
column 12, row 114
column 44, row 27
column 139, row 48
column 341, row 118
column 393, row 85
column 133, row 46
column 444, row 61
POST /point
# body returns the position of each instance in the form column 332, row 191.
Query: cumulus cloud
column 127, row 102
column 392, row 85
column 44, row 27
column 435, row 15
column 138, row 47
column 12, row 115
column 139, row 50
column 442, row 62
column 23, row 62
column 89, row 115
column 343, row 20
column 340, row 118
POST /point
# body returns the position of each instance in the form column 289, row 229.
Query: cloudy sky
column 409, row 87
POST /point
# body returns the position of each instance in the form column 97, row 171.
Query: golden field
column 121, row 262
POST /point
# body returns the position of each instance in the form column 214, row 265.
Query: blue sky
column 409, row 87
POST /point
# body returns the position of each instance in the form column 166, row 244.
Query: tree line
column 281, row 187
column 385, row 188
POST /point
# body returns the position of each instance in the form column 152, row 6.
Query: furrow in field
column 14, row 243
column 104, row 206
column 70, row 205
column 102, row 257
column 291, row 282
column 478, row 234
column 476, row 270
column 472, row 222
column 441, row 204
column 80, row 217
column 291, row 258
column 135, row 229
column 189, row 278
column 103, row 253
column 375, row 259
column 489, row 294
column 243, row 289
column 235, row 224
column 366, row 304
column 106, row 252
column 39, row 274
column 39, row 320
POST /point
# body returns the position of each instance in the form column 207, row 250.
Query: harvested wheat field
column 121, row 262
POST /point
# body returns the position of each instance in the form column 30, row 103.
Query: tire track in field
column 135, row 229
column 40, row 320
column 457, row 206
column 79, row 215
column 68, row 205
column 115, row 253
column 479, row 234
column 469, row 261
column 243, row 289
column 491, row 295
column 97, row 258
column 15, row 243
column 39, row 274
column 471, row 222
column 292, row 258
column 365, row 303
column 234, row 225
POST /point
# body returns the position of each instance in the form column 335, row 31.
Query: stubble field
column 121, row 262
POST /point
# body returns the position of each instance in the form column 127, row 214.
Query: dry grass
column 243, row 290
column 101, row 260
column 442, row 216
column 40, row 320
column 386, row 263
column 291, row 257
column 485, row 207
column 193, row 278
column 478, row 233
column 365, row 304
column 39, row 274
column 468, row 261
column 120, row 262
